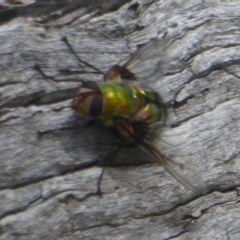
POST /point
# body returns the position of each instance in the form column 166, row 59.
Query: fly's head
column 89, row 100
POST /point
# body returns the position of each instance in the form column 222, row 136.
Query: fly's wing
column 183, row 173
column 180, row 166
column 149, row 62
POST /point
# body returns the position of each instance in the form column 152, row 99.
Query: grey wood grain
column 49, row 154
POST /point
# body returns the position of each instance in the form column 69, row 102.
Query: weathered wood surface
column 45, row 193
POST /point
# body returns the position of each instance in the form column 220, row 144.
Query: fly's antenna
column 64, row 39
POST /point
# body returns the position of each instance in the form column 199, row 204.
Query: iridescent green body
column 126, row 101
column 110, row 100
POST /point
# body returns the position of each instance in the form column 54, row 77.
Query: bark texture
column 45, row 190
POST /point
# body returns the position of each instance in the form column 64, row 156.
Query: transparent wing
column 149, row 62
column 182, row 167
column 182, row 172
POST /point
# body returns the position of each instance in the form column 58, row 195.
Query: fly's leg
column 99, row 191
column 65, row 40
column 131, row 133
column 103, row 163
column 39, row 69
column 123, row 129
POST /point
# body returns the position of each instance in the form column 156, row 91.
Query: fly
column 124, row 103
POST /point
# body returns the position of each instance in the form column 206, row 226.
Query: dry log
column 49, row 155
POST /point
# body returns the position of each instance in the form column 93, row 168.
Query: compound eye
column 96, row 106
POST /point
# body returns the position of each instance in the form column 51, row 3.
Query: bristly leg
column 103, row 163
column 64, row 39
column 39, row 69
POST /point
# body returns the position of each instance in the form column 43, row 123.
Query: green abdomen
column 119, row 100
column 126, row 101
